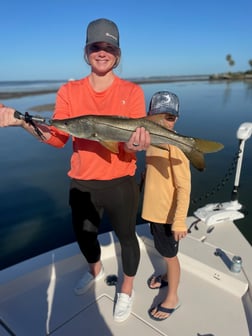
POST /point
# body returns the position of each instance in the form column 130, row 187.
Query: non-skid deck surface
column 44, row 302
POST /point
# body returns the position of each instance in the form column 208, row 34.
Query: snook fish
column 109, row 130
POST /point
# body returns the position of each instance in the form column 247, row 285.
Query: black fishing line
column 222, row 182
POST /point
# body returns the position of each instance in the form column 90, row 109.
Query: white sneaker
column 86, row 281
column 123, row 306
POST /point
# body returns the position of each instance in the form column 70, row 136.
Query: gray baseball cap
column 164, row 102
column 102, row 30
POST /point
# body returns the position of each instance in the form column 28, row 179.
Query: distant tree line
column 231, row 62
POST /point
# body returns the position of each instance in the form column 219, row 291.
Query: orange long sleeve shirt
column 90, row 160
column 167, row 187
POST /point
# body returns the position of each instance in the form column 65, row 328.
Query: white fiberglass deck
column 42, row 301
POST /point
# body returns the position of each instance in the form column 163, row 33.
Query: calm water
column 35, row 216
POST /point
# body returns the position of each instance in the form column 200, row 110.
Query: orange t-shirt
column 90, row 160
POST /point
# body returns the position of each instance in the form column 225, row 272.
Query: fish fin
column 112, row 146
column 206, row 146
column 197, row 159
column 195, row 156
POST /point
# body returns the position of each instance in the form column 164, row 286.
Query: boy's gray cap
column 164, row 102
column 102, row 30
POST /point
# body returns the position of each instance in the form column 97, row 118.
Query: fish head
column 81, row 127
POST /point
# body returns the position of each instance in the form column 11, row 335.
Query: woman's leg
column 122, row 212
column 86, row 220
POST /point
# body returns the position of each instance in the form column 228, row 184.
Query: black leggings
column 119, row 198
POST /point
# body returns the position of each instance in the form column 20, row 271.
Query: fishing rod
column 30, row 119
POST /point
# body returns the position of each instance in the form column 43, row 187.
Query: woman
column 100, row 179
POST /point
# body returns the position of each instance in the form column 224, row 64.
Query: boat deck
column 37, row 295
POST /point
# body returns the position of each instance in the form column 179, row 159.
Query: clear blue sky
column 45, row 39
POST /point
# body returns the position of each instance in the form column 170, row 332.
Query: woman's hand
column 139, row 140
column 7, row 117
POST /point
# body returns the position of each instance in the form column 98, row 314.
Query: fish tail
column 197, row 159
column 206, row 146
column 196, row 155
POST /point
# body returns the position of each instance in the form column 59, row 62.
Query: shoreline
column 140, row 80
column 49, row 107
column 20, row 94
column 149, row 80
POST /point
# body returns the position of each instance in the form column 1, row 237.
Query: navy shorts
column 164, row 241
